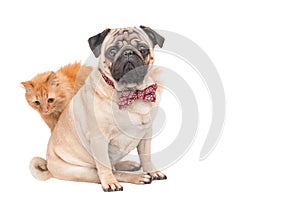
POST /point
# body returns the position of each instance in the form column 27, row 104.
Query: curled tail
column 38, row 168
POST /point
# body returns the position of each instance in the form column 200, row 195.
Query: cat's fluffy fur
column 50, row 92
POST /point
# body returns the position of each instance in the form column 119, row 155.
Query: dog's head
column 125, row 54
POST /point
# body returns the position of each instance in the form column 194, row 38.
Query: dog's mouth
column 128, row 67
column 134, row 75
column 129, row 70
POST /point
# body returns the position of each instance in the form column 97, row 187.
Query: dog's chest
column 134, row 120
column 128, row 129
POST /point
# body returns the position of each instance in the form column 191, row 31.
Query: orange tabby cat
column 50, row 92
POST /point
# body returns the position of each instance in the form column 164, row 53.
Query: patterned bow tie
column 128, row 97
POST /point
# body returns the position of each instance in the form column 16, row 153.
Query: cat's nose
column 45, row 110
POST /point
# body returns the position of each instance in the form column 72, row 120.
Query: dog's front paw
column 145, row 178
column 157, row 175
column 110, row 186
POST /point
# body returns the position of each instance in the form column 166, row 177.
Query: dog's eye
column 50, row 100
column 111, row 52
column 143, row 50
column 37, row 102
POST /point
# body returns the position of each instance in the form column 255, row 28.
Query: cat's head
column 42, row 92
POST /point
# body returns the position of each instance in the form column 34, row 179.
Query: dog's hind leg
column 66, row 171
column 127, row 166
column 134, row 178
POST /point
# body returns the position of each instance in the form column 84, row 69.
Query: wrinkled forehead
column 126, row 36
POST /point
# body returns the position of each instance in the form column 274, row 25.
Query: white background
column 255, row 46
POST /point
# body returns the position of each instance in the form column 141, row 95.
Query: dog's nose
column 128, row 53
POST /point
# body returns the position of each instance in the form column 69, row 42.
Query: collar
column 106, row 79
column 127, row 97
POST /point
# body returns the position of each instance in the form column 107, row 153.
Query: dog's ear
column 96, row 41
column 154, row 36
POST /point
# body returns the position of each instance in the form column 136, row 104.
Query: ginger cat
column 50, row 92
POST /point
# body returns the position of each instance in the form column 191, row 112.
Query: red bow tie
column 128, row 97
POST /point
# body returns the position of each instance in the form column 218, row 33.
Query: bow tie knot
column 128, row 97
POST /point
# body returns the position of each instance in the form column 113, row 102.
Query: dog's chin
column 131, row 87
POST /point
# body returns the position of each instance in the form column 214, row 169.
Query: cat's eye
column 37, row 102
column 50, row 100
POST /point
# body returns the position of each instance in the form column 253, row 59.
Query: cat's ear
column 52, row 79
column 27, row 85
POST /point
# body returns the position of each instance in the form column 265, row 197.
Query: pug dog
column 110, row 115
